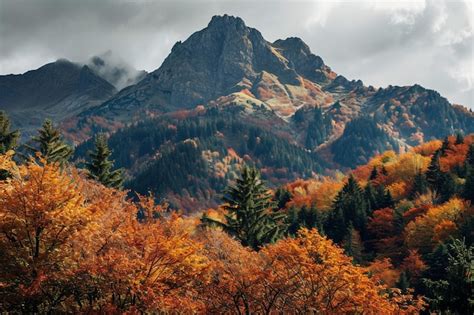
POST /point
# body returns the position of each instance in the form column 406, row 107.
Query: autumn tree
column 250, row 216
column 100, row 167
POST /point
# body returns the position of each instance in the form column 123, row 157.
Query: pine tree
column 250, row 216
column 100, row 168
column 420, row 185
column 459, row 138
column 8, row 138
column 51, row 145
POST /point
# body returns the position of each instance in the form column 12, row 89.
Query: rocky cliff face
column 230, row 63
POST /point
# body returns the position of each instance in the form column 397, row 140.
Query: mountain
column 57, row 90
column 228, row 62
column 226, row 96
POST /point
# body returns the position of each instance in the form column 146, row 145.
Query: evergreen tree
column 374, row 173
column 101, row 168
column 459, row 138
column 8, row 138
column 318, row 129
column 50, row 143
column 403, row 284
column 445, row 146
column 433, row 174
column 420, row 185
column 353, row 245
column 282, row 196
column 383, row 198
column 370, row 198
column 468, row 191
column 249, row 215
column 450, row 288
column 350, row 204
column 470, row 156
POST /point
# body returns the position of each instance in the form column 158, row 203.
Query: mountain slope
column 57, row 90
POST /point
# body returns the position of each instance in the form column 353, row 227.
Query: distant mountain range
column 223, row 96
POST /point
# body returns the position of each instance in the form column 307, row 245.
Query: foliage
column 50, row 144
column 250, row 217
column 100, row 167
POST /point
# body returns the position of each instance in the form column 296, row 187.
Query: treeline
column 49, row 146
column 154, row 151
column 71, row 245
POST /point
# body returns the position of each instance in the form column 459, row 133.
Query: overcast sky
column 379, row 42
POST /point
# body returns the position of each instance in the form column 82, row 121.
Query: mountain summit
column 224, row 58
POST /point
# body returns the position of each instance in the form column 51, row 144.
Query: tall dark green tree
column 8, row 138
column 250, row 217
column 420, row 185
column 459, row 138
column 100, row 167
column 468, row 190
column 450, row 288
column 434, row 173
column 50, row 143
column 282, row 196
column 374, row 173
column 349, row 208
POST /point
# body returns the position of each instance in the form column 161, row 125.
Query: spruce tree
column 459, row 138
column 250, row 217
column 468, row 191
column 370, row 198
column 50, row 143
column 351, row 206
column 433, row 174
column 8, row 138
column 470, row 156
column 100, row 167
column 374, row 173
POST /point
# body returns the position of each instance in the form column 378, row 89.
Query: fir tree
column 249, row 216
column 374, row 173
column 350, row 204
column 433, row 174
column 445, row 146
column 370, row 198
column 459, row 138
column 353, row 245
column 50, row 143
column 468, row 191
column 282, row 196
column 8, row 138
column 470, row 156
column 100, row 168
column 403, row 284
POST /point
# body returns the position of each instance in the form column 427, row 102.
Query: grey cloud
column 432, row 45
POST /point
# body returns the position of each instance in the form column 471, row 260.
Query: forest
column 393, row 236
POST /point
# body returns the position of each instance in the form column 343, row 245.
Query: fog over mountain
column 382, row 43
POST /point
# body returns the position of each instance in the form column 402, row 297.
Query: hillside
column 57, row 90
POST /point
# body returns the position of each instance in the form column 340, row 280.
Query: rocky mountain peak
column 226, row 22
